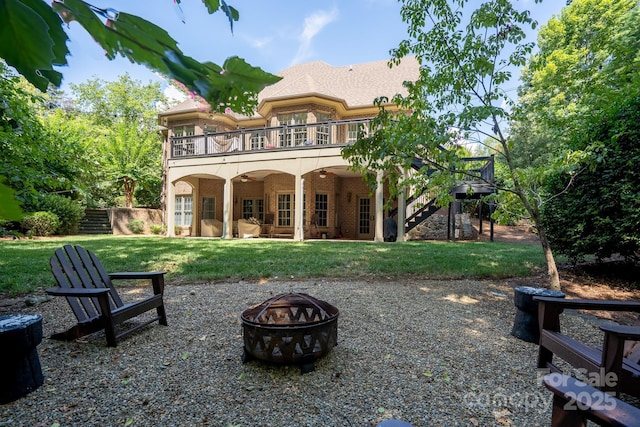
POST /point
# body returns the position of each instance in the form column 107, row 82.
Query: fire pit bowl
column 290, row 328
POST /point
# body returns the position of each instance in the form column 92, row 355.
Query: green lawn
column 24, row 264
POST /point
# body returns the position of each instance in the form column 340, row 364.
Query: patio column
column 402, row 212
column 171, row 209
column 379, row 234
column 227, row 210
column 298, row 222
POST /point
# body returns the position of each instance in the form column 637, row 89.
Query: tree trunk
column 129, row 188
column 552, row 268
column 534, row 213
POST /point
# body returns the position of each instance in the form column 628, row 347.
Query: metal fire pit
column 291, row 328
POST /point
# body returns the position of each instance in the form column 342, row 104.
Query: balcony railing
column 285, row 137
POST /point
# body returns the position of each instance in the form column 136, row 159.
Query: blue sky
column 270, row 34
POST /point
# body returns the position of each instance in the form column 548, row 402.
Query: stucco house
column 280, row 172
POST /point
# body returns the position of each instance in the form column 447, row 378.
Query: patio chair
column 615, row 363
column 93, row 298
column 575, row 402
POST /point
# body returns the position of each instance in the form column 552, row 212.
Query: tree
column 33, row 40
column 584, row 87
column 124, row 140
column 33, row 159
column 564, row 80
column 466, row 57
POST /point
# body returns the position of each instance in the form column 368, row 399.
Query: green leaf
column 56, row 32
column 129, row 422
column 231, row 13
column 36, row 42
column 40, row 43
column 235, row 85
column 9, row 206
column 79, row 11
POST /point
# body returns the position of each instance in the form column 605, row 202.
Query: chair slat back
column 83, row 308
column 632, row 348
column 75, row 267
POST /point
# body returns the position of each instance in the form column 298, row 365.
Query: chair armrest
column 598, row 406
column 589, row 304
column 137, row 275
column 623, row 331
column 77, row 292
column 157, row 278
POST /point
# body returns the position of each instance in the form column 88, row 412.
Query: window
column 322, row 132
column 183, row 145
column 253, row 208
column 352, row 132
column 322, row 209
column 257, row 140
column 284, row 210
column 353, row 129
column 209, row 208
column 184, row 211
column 297, row 133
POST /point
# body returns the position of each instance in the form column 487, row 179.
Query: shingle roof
column 357, row 85
column 186, row 106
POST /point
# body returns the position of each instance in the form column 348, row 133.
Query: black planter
column 20, row 371
column 525, row 325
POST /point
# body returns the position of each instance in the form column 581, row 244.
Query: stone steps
column 96, row 221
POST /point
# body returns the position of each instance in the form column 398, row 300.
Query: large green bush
column 69, row 211
column 598, row 214
column 41, row 223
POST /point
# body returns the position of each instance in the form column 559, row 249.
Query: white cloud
column 257, row 42
column 313, row 24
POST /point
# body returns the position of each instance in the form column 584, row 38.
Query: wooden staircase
column 479, row 184
column 421, row 214
column 96, row 221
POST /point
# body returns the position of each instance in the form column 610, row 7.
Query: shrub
column 41, row 223
column 136, row 226
column 4, row 230
column 156, row 229
column 69, row 212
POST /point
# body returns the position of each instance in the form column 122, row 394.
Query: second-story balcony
column 285, row 137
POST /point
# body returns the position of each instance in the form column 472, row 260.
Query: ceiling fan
column 324, row 173
column 246, row 178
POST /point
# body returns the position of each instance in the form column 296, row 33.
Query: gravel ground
column 433, row 353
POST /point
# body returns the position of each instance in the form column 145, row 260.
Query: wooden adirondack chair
column 615, row 363
column 88, row 288
column 575, row 402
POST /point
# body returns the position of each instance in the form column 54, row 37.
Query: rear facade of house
column 280, row 172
